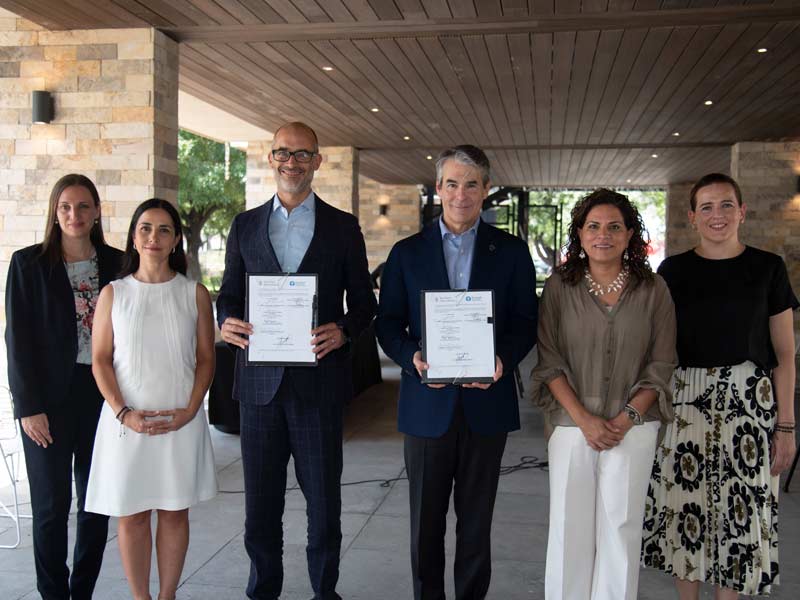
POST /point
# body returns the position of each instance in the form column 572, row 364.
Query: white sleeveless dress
column 155, row 331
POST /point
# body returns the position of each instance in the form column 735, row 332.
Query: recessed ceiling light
column 708, row 102
column 628, row 180
column 406, row 137
column 374, row 109
column 327, row 68
column 429, row 157
column 761, row 50
column 654, row 155
column 675, row 134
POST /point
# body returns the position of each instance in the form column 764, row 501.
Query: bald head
column 297, row 127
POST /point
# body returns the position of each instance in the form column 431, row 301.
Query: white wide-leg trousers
column 596, row 510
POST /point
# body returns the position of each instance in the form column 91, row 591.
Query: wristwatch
column 633, row 414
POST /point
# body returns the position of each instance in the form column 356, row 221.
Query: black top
column 41, row 328
column 723, row 306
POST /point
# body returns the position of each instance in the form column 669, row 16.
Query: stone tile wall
column 116, row 121
column 402, row 217
column 679, row 234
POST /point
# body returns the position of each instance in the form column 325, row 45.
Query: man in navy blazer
column 295, row 411
column 456, row 433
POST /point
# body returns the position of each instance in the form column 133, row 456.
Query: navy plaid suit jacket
column 338, row 256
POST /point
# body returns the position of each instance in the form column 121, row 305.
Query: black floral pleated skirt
column 712, row 505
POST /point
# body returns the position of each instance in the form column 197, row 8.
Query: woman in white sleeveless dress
column 153, row 358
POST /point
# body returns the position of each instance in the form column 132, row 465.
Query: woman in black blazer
column 51, row 293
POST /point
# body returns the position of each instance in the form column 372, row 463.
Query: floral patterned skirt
column 712, row 505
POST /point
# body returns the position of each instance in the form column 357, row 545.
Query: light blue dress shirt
column 290, row 233
column 458, row 251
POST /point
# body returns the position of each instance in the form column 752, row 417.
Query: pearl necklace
column 601, row 290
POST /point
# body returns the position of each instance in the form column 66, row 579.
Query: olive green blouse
column 607, row 355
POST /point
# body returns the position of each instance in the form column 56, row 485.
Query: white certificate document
column 283, row 310
column 458, row 336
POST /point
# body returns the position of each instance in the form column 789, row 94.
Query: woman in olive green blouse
column 606, row 354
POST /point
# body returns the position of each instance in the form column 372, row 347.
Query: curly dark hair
column 572, row 269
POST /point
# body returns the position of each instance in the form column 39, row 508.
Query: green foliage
column 542, row 240
column 207, row 201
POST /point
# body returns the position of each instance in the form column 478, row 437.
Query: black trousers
column 50, row 471
column 469, row 465
column 311, row 432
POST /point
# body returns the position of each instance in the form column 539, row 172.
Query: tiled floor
column 375, row 563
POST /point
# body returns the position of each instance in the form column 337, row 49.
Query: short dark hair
column 572, row 269
column 711, row 179
column 51, row 246
column 299, row 125
column 466, row 154
column 130, row 260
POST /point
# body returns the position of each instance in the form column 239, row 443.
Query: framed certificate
column 458, row 336
column 283, row 310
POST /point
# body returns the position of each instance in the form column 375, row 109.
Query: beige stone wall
column 116, row 121
column 260, row 184
column 767, row 173
column 679, row 235
column 402, row 217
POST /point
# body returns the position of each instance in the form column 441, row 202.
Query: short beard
column 303, row 184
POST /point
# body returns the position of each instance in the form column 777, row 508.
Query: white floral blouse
column 84, row 276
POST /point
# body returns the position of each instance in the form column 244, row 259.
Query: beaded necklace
column 601, row 290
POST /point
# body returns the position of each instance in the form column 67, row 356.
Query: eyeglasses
column 301, row 156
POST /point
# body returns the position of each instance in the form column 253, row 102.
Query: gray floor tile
column 375, row 554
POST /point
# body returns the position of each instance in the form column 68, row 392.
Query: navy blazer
column 338, row 256
column 41, row 328
column 501, row 262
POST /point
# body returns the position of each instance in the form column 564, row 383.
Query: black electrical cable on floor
column 525, row 462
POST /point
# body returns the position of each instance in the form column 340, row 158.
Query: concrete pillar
column 679, row 235
column 116, row 120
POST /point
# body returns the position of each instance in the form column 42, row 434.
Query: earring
column 174, row 249
column 96, row 221
column 582, row 254
column 625, row 255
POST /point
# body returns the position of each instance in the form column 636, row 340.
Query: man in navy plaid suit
column 295, row 411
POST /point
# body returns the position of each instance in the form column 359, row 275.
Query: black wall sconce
column 42, row 106
column 383, row 209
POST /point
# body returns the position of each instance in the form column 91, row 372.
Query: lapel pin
column 491, row 247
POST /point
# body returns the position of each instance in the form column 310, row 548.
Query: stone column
column 768, row 173
column 260, row 184
column 401, row 220
column 116, row 120
column 679, row 235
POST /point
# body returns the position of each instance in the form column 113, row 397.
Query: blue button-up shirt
column 458, row 251
column 290, row 233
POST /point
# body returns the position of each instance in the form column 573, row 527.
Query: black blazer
column 41, row 329
column 337, row 254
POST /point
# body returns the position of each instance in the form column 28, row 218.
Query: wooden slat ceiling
column 559, row 92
